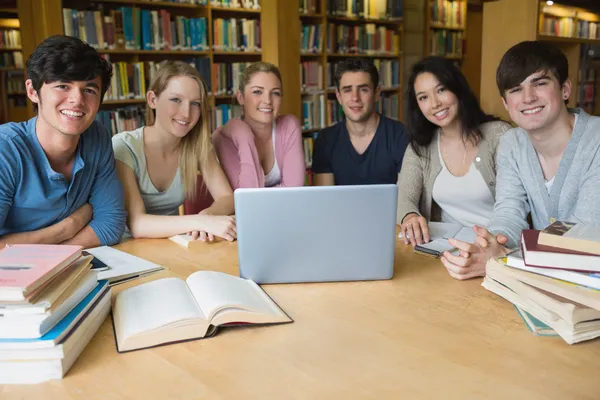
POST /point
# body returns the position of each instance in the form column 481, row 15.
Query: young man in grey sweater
column 548, row 166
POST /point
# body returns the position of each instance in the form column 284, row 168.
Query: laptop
column 316, row 233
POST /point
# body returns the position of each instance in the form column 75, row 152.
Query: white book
column 94, row 316
column 196, row 307
column 122, row 267
column 40, row 370
column 32, row 326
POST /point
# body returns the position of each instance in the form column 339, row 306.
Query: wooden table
column 421, row 335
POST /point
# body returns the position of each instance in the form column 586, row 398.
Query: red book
column 26, row 267
column 539, row 255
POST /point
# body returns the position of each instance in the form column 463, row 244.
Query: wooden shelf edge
column 565, row 39
column 388, row 21
column 155, row 52
column 165, row 4
column 235, row 10
column 434, row 25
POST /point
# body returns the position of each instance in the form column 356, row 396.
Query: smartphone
column 97, row 264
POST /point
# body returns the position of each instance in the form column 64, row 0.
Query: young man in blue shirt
column 58, row 182
column 366, row 147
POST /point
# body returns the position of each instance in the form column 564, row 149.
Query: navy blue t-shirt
column 379, row 164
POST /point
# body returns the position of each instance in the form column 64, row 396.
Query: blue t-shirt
column 379, row 164
column 33, row 196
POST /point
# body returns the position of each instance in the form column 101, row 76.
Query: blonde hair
column 196, row 145
column 255, row 68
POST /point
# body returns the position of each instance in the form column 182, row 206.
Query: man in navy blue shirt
column 58, row 182
column 366, row 147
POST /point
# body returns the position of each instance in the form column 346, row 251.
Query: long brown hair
column 196, row 145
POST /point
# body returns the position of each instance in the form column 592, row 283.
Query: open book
column 172, row 310
column 439, row 233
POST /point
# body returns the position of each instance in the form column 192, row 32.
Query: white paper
column 121, row 263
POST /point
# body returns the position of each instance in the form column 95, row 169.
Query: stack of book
column 553, row 280
column 51, row 305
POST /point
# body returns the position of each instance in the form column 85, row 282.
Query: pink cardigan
column 236, row 150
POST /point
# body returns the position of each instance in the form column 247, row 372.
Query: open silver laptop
column 316, row 233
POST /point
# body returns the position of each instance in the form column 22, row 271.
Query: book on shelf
column 24, row 268
column 197, row 307
column 10, row 38
column 367, row 39
column 448, row 13
column 580, row 237
column 132, row 28
column 439, row 233
column 372, row 9
column 539, row 255
column 27, row 361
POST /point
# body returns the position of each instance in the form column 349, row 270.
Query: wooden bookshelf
column 12, row 100
column 445, row 28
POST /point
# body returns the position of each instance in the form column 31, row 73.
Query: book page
column 585, row 232
column 153, row 305
column 215, row 291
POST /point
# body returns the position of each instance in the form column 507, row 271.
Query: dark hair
column 420, row 130
column 527, row 58
column 355, row 65
column 66, row 58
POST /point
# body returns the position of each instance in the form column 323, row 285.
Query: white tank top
column 274, row 176
column 465, row 200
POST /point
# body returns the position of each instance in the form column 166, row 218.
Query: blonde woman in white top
column 158, row 163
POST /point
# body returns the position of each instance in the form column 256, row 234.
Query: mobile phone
column 97, row 264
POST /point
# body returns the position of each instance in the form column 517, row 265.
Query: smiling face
column 357, row 95
column 438, row 104
column 261, row 98
column 67, row 108
column 537, row 102
column 177, row 106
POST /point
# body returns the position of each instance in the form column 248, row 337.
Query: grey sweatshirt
column 520, row 189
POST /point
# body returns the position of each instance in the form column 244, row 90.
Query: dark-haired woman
column 448, row 173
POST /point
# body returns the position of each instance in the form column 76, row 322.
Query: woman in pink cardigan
column 263, row 149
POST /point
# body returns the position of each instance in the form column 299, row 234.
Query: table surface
column 420, row 335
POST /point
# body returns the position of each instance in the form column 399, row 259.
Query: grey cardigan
column 417, row 175
column 575, row 193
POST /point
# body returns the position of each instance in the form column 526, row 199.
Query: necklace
column 445, row 155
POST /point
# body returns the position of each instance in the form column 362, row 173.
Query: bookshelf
column 135, row 35
column 576, row 31
column 446, row 28
column 13, row 99
column 332, row 30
